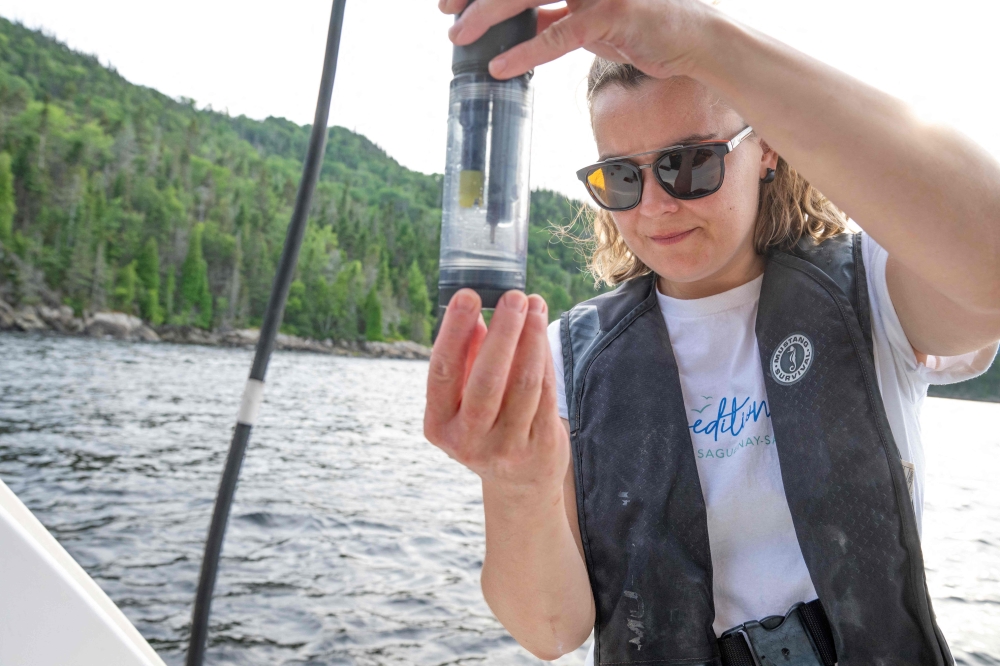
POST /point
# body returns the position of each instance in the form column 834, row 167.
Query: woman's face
column 701, row 241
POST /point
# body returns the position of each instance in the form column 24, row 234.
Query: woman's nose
column 655, row 200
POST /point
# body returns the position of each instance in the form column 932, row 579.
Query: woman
column 674, row 519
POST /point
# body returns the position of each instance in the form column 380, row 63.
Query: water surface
column 352, row 540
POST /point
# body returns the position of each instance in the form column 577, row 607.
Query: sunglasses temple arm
column 738, row 139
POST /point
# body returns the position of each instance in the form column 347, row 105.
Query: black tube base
column 490, row 295
column 490, row 284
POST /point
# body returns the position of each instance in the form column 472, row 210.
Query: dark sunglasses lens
column 692, row 172
column 615, row 186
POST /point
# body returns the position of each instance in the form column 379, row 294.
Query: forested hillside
column 119, row 197
column 126, row 199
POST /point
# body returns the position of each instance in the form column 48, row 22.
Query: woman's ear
column 768, row 158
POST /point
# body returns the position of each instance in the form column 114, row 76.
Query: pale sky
column 263, row 58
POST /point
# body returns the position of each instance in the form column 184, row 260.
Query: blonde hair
column 788, row 209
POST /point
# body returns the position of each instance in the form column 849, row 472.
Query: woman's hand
column 660, row 37
column 491, row 401
column 491, row 405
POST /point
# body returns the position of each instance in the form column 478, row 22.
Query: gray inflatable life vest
column 648, row 559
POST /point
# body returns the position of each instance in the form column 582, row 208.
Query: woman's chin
column 682, row 267
column 683, row 274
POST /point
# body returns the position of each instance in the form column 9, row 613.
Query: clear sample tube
column 484, row 227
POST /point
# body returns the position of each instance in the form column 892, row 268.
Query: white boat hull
column 51, row 612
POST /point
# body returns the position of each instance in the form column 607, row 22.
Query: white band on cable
column 253, row 395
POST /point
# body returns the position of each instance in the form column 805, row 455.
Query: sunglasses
column 688, row 171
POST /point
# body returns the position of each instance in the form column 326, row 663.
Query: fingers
column 548, row 400
column 568, row 33
column 475, row 343
column 483, row 14
column 547, row 17
column 527, row 372
column 488, row 379
column 449, row 358
column 452, row 6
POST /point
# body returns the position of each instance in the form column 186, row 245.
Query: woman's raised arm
column 926, row 193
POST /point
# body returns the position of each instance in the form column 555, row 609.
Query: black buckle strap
column 802, row 637
column 814, row 617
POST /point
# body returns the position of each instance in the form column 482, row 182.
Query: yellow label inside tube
column 470, row 189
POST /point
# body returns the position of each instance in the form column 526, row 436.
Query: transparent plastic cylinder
column 484, row 230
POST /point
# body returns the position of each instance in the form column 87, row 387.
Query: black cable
column 268, row 332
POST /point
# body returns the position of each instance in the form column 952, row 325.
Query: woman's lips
column 671, row 239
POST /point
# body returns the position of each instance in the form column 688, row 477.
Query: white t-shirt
column 757, row 563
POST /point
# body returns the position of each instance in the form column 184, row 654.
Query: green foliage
column 7, row 206
column 985, row 387
column 148, row 271
column 345, row 297
column 102, row 173
column 382, row 281
column 373, row 316
column 556, row 269
column 420, row 304
column 196, row 299
column 296, row 317
column 149, row 306
column 168, row 299
column 125, row 288
column 148, row 268
column 103, row 182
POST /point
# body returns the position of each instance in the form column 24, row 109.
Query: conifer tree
column 125, row 288
column 382, row 281
column 373, row 316
column 80, row 275
column 148, row 272
column 99, row 281
column 296, row 320
column 196, row 299
column 204, row 319
column 420, row 304
column 7, row 207
column 168, row 299
column 139, row 166
column 234, row 279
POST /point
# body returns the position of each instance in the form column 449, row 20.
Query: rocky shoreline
column 121, row 326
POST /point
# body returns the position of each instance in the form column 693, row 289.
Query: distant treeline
column 985, row 388
column 123, row 198
column 127, row 199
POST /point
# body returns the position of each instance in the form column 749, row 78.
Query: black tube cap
column 475, row 57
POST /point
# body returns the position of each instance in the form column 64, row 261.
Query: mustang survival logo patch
column 792, row 359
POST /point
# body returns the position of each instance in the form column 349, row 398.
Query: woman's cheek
column 626, row 227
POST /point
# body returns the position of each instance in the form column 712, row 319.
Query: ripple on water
column 352, row 541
